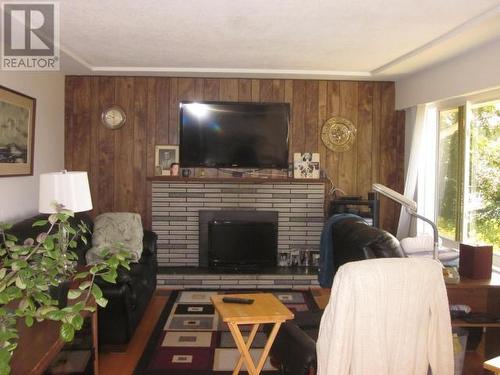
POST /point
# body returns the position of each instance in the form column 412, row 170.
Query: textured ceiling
column 371, row 38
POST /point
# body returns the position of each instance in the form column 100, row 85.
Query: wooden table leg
column 248, row 344
column 95, row 341
column 244, row 348
column 244, row 351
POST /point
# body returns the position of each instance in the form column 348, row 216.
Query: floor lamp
column 411, row 208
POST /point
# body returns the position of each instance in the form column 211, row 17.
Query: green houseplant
column 29, row 270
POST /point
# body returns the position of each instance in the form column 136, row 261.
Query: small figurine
column 174, row 169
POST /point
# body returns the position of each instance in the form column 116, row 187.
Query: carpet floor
column 189, row 338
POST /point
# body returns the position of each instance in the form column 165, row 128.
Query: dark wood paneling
column 119, row 161
column 255, row 90
column 173, row 113
column 322, row 117
column 211, row 89
column 364, row 137
column 297, row 112
column 95, row 125
column 311, row 116
column 163, row 117
column 333, row 109
column 81, row 125
column 388, row 156
column 105, row 158
column 124, row 147
column 150, row 145
column 140, row 145
column 228, row 90
column 245, row 90
column 347, row 159
column 68, row 122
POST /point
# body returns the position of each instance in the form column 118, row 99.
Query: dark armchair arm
column 295, row 344
column 295, row 349
column 125, row 276
column 149, row 242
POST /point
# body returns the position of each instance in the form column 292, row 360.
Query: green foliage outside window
column 484, row 221
column 482, row 216
column 448, row 173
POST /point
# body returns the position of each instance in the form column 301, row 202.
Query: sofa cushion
column 114, row 228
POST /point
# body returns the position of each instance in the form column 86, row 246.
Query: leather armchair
column 128, row 298
column 353, row 240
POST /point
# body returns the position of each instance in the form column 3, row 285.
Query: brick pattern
column 175, row 206
column 236, row 281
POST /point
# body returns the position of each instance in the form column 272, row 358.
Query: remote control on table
column 245, row 301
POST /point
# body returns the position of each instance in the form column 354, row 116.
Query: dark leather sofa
column 353, row 240
column 128, row 298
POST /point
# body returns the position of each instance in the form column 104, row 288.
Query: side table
column 266, row 308
column 493, row 365
column 40, row 344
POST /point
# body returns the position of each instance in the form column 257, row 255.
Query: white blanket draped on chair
column 387, row 317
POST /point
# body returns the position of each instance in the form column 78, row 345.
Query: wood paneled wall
column 119, row 161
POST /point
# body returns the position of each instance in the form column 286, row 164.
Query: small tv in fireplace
column 241, row 244
column 230, row 134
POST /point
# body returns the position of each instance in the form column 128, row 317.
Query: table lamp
column 411, row 208
column 69, row 189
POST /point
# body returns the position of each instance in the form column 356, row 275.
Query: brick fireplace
column 176, row 205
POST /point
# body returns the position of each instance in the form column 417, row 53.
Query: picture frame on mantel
column 17, row 133
column 165, row 156
column 306, row 165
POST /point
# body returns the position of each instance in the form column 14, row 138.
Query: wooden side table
column 481, row 296
column 493, row 365
column 40, row 344
column 265, row 309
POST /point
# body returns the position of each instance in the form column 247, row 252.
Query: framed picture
column 306, row 165
column 17, row 133
column 165, row 156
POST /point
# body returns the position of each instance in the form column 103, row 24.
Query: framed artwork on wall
column 165, row 156
column 17, row 133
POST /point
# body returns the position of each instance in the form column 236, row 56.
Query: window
column 467, row 206
column 448, row 178
column 482, row 193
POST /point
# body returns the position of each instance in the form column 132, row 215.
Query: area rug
column 189, row 338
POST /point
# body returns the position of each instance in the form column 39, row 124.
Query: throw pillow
column 116, row 228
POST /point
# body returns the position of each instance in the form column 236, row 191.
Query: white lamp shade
column 71, row 189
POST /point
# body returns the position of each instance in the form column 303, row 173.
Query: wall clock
column 113, row 117
column 338, row 134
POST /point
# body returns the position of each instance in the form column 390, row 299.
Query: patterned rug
column 189, row 338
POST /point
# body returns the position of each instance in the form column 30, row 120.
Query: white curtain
column 415, row 125
column 427, row 171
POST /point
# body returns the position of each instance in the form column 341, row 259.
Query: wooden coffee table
column 265, row 309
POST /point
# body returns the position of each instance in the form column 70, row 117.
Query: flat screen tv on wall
column 229, row 134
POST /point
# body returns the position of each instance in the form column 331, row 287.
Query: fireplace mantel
column 237, row 180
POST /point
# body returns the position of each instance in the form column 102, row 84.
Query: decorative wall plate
column 338, row 134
